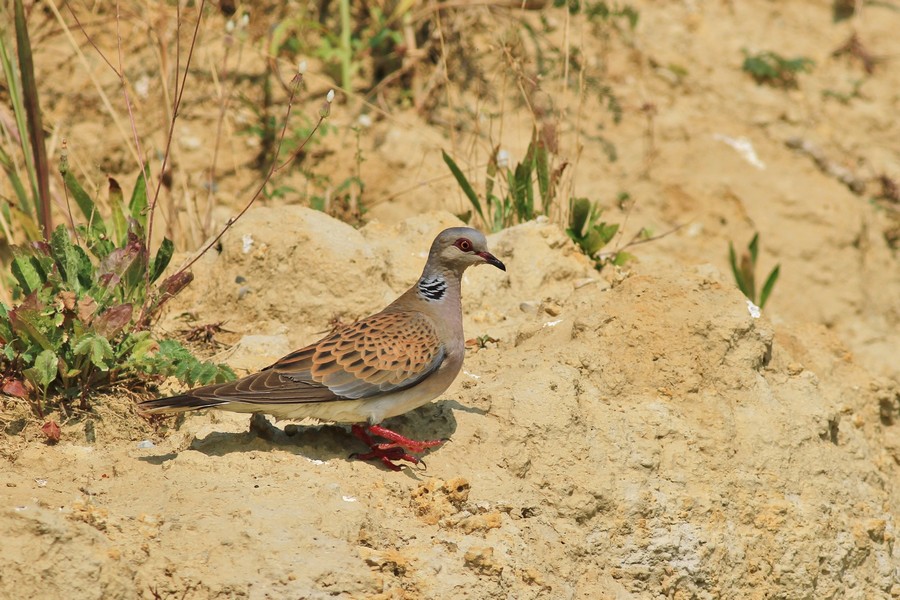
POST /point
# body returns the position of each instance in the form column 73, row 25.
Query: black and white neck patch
column 433, row 288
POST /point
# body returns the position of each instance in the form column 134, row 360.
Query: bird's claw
column 397, row 449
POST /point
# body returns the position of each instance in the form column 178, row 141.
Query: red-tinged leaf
column 113, row 320
column 174, row 284
column 42, row 247
column 51, row 430
column 14, row 387
column 120, row 260
column 109, row 280
column 167, row 290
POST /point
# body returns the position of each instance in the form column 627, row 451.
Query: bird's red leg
column 403, row 442
column 395, row 450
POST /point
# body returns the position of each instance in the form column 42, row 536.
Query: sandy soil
column 631, row 433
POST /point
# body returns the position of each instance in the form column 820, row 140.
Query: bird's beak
column 492, row 260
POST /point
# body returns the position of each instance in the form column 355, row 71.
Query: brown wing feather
column 382, row 353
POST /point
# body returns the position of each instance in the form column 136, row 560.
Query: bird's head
column 458, row 248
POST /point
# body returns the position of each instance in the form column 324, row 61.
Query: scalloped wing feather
column 386, row 352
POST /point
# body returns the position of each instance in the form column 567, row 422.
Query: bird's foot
column 398, row 447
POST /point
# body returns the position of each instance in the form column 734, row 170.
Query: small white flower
column 245, row 19
column 229, row 26
column 246, row 243
column 329, row 97
column 753, row 309
column 502, row 158
column 301, row 68
column 364, row 120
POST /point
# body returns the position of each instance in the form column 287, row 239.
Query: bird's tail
column 177, row 404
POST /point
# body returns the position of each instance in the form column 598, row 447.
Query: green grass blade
column 738, row 278
column 35, row 125
column 15, row 94
column 768, row 286
column 162, row 258
column 542, row 167
column 753, row 247
column 84, row 202
column 464, row 184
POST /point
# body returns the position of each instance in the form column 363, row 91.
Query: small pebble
column 529, row 307
column 145, row 444
column 552, row 308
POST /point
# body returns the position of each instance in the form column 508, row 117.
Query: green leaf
column 225, row 374
column 768, row 286
column 542, row 167
column 753, row 247
column 464, row 184
column 162, row 258
column 33, row 328
column 72, row 262
column 143, row 346
column 96, row 348
column 607, row 232
column 46, row 367
column 117, row 206
column 26, row 274
column 203, row 373
column 84, row 202
column 138, row 204
column 738, row 278
column 578, row 216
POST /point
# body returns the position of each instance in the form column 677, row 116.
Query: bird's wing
column 382, row 353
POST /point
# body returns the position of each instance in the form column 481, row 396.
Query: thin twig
column 179, row 92
column 635, row 241
column 90, row 71
column 272, row 169
column 120, row 72
column 225, row 93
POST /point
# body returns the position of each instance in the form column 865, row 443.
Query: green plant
column 362, row 35
column 514, row 201
column 30, row 180
column 85, row 295
column 745, row 272
column 85, row 302
column 602, row 11
column 773, row 69
column 586, row 229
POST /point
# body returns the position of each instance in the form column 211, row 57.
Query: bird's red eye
column 463, row 244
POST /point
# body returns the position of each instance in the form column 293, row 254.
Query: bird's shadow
column 324, row 442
